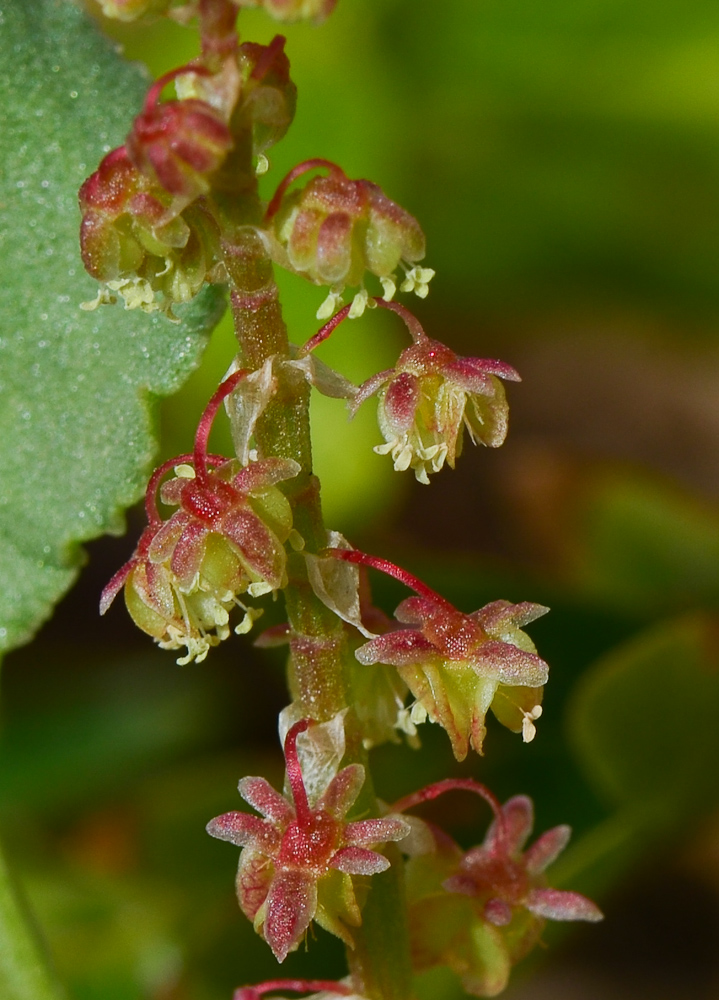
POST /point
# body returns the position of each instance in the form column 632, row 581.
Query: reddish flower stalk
column 451, row 785
column 324, row 332
column 153, row 94
column 205, row 425
column 298, row 171
column 303, row 812
column 385, row 566
column 294, row 985
column 412, row 323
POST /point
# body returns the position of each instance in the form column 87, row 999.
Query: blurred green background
column 563, row 159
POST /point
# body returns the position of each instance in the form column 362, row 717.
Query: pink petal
column 400, row 402
column 260, row 794
column 187, row 557
column 469, row 368
column 164, row 542
column 557, row 905
column 257, row 545
column 359, row 861
column 497, row 912
column 510, row 664
column 244, row 830
column 403, row 646
column 342, row 791
column 153, row 585
column 334, row 247
column 291, row 905
column 518, row 816
column 369, row 388
column 547, row 849
column 113, row 588
column 375, row 831
column 493, row 615
column 254, row 877
column 414, row 610
column 267, row 472
column 171, row 491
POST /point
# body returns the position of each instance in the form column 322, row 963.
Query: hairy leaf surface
column 76, row 388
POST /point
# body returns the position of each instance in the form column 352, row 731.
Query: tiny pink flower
column 481, row 911
column 298, row 860
column 430, row 396
column 225, row 539
column 459, row 666
column 335, row 229
column 500, row 877
column 179, row 144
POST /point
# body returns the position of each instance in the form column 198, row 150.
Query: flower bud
column 131, row 239
column 269, row 97
column 178, row 145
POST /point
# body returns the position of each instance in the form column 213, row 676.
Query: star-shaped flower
column 226, row 539
column 298, row 861
column 481, row 911
column 459, row 666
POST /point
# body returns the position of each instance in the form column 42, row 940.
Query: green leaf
column 76, row 388
column 643, row 720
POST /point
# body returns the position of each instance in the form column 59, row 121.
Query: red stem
column 205, row 425
column 301, row 168
column 450, row 785
column 413, row 324
column 294, row 773
column 295, row 985
column 153, row 94
column 323, row 333
column 385, row 566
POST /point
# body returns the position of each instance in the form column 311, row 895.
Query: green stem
column 319, row 677
column 24, row 966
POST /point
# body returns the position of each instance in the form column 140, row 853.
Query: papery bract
column 298, row 861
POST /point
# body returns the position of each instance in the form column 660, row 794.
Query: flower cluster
column 151, row 219
column 481, row 911
column 298, row 861
column 226, row 538
column 459, row 666
column 335, row 229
